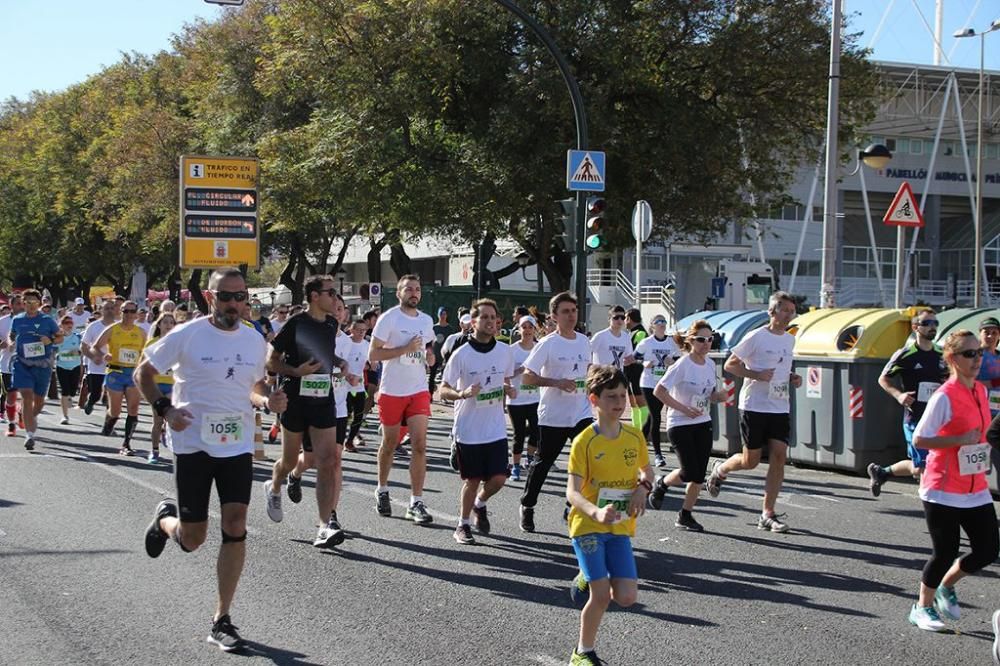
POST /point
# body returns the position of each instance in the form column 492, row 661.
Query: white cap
column 527, row 319
column 465, row 319
column 80, row 301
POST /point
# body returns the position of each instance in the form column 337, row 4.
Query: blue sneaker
column 946, row 603
column 579, row 590
column 153, row 458
column 926, row 618
column 515, row 473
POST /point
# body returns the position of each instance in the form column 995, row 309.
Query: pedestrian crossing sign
column 585, row 170
column 904, row 211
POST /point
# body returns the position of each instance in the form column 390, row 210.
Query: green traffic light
column 594, row 241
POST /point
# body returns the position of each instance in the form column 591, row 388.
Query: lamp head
column 876, row 156
column 968, row 32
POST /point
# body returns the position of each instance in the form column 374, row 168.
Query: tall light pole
column 828, row 255
column 978, row 254
column 875, row 156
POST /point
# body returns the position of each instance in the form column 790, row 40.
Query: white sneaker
column 996, row 637
column 274, row 511
column 926, row 618
column 946, row 603
column 64, row 420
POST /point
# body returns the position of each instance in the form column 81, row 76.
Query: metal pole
column 582, row 143
column 638, row 273
column 871, row 232
column 828, row 266
column 900, row 260
column 978, row 254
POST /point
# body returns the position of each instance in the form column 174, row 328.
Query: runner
column 68, row 364
column 608, row 482
column 558, row 364
column 124, row 341
column 279, row 318
column 523, row 408
column 33, row 337
column 401, row 340
column 165, row 382
column 442, row 329
column 459, row 337
column 476, row 379
column 953, row 487
column 764, row 359
column 911, row 376
column 633, row 322
column 989, row 373
column 613, row 345
column 80, row 316
column 6, row 356
column 304, row 355
column 357, row 361
column 656, row 352
column 96, row 369
column 687, row 389
column 374, row 375
column 219, row 367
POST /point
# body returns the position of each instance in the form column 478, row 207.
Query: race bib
column 778, row 390
column 974, row 459
column 222, row 428
column 128, row 356
column 69, row 354
column 659, row 371
column 33, row 349
column 994, row 400
column 528, row 389
column 926, row 389
column 413, row 358
column 581, row 385
column 489, row 398
column 700, row 402
column 618, row 497
column 315, row 386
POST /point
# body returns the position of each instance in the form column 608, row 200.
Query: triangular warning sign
column 587, row 172
column 904, row 211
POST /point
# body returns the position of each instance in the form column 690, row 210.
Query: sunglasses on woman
column 701, row 338
column 972, row 353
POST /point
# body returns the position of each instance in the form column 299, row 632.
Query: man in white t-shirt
column 764, row 360
column 558, row 364
column 477, row 378
column 79, row 315
column 356, row 354
column 401, row 341
column 6, row 356
column 613, row 345
column 218, row 369
column 96, row 368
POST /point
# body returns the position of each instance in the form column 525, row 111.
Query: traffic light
column 565, row 236
column 595, row 223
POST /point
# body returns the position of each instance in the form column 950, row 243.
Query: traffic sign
column 719, row 287
column 375, row 292
column 904, row 212
column 585, row 170
column 642, row 221
column 218, row 212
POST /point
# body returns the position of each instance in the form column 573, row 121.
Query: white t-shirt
column 356, row 355
column 340, row 386
column 525, row 396
column 407, row 374
column 80, row 321
column 276, row 325
column 145, row 327
column 214, row 374
column 610, row 350
column 556, row 357
column 479, row 420
column 689, row 384
column 761, row 350
column 90, row 337
column 8, row 352
column 662, row 352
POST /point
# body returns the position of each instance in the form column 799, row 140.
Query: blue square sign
column 585, row 170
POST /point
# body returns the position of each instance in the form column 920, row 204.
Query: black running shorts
column 194, row 474
column 301, row 414
column 482, row 461
column 758, row 427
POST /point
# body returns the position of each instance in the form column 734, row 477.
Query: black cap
column 988, row 322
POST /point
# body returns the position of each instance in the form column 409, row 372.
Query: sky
column 51, row 44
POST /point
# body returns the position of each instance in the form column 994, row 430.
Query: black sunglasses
column 618, row 318
column 128, row 311
column 928, row 322
column 972, row 353
column 226, row 296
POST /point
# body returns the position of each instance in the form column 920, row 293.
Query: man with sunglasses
column 911, row 376
column 613, row 345
column 219, row 367
column 279, row 318
column 124, row 341
column 33, row 337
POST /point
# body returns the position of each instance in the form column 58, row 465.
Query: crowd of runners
column 322, row 371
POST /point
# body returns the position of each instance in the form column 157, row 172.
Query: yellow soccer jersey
column 125, row 347
column 610, row 472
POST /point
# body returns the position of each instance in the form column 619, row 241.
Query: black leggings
column 95, row 388
column 524, row 419
column 356, row 413
column 979, row 524
column 552, row 440
column 693, row 445
column 651, row 428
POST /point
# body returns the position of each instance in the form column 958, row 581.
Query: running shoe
column 156, row 538
column 515, row 473
column 274, row 510
column 272, row 434
column 88, row 409
column 350, row 448
column 153, row 458
column 686, row 521
column 926, row 618
column 29, row 443
column 658, row 461
column 359, row 442
column 946, row 603
column 463, row 535
column 585, row 659
column 527, row 518
column 382, row 504
column 64, row 420
column 716, row 480
column 418, row 514
column 126, row 451
column 329, row 535
column 772, row 523
column 294, row 488
column 224, row 635
column 453, row 456
column 875, row 479
column 579, row 589
column 11, row 430
column 655, row 499
column 481, row 519
column 996, row 637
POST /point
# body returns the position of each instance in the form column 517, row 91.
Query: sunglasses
column 282, row 312
column 226, row 296
column 618, row 318
column 972, row 353
column 128, row 311
column 701, row 338
column 660, row 322
column 928, row 322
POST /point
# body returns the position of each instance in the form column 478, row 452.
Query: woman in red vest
column 953, row 486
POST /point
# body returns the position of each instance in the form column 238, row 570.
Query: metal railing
column 858, row 292
column 647, row 293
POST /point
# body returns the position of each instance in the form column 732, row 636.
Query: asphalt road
column 77, row 588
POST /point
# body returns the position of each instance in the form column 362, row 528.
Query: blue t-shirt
column 989, row 375
column 28, row 332
column 69, row 352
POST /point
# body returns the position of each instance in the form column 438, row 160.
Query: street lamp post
column 875, row 156
column 978, row 253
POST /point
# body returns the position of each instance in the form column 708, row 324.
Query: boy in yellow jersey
column 609, row 480
column 124, row 341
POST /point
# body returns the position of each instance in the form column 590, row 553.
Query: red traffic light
column 596, row 205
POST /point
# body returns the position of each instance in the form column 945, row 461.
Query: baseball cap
column 989, row 322
column 466, row 319
column 527, row 319
column 79, row 301
column 442, row 310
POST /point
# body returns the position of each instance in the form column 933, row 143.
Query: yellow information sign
column 218, row 211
